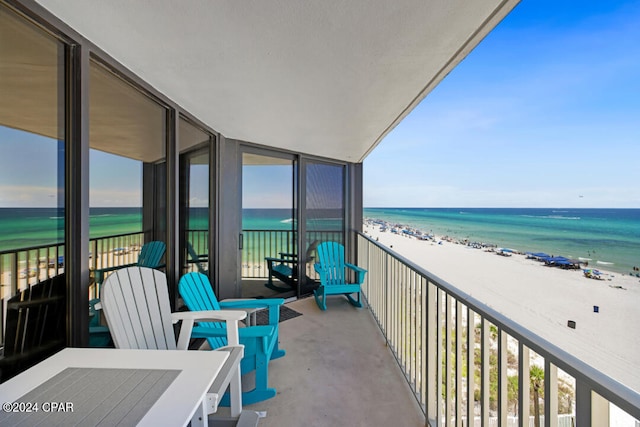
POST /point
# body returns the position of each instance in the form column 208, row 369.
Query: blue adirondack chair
column 260, row 342
column 332, row 269
column 150, row 256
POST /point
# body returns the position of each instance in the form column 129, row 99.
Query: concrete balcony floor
column 337, row 372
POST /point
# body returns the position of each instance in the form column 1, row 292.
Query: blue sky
column 545, row 112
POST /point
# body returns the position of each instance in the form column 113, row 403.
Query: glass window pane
column 32, row 142
column 269, row 228
column 194, row 182
column 325, row 202
column 127, row 140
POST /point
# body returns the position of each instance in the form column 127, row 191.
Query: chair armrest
column 115, row 267
column 209, row 315
column 355, row 268
column 288, row 255
column 260, row 331
column 98, row 273
column 188, row 319
column 280, row 260
column 251, row 311
column 359, row 271
column 251, row 303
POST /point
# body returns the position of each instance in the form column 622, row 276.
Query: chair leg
column 277, row 352
column 261, row 391
column 354, row 302
column 321, row 297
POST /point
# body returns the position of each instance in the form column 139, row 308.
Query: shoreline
column 541, row 298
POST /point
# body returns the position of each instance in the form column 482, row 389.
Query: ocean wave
column 585, row 259
column 559, row 211
column 604, row 263
column 287, row 221
column 562, row 217
column 56, row 217
column 573, row 218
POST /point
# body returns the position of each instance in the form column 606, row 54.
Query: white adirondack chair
column 135, row 301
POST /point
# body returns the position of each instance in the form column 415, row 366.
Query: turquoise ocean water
column 27, row 227
column 610, row 238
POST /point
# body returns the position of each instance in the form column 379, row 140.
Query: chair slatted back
column 151, row 254
column 195, row 258
column 331, row 259
column 135, row 301
column 197, row 293
column 35, row 326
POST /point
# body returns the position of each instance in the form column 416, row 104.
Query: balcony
column 338, row 371
column 405, row 358
column 346, row 366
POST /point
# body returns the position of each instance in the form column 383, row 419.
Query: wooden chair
column 135, row 301
column 260, row 342
column 35, row 326
column 150, row 256
column 285, row 268
column 332, row 269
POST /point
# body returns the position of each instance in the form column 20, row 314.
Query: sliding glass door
column 323, row 213
column 269, row 225
column 196, row 181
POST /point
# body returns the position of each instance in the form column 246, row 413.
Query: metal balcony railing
column 259, row 244
column 23, row 267
column 464, row 361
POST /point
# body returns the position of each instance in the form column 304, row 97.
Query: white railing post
column 459, row 365
column 471, row 367
column 502, row 378
column 485, row 351
column 523, row 385
column 431, row 353
column 550, row 394
column 414, row 309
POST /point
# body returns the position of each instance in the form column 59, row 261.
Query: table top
column 170, row 383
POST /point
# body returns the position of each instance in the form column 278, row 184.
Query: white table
column 188, row 377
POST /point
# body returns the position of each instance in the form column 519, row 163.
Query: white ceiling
column 329, row 78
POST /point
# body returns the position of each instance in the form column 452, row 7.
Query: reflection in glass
column 268, row 222
column 127, row 141
column 325, row 202
column 194, row 181
column 32, row 164
column 324, row 212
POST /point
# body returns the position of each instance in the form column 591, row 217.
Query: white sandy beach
column 542, row 299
